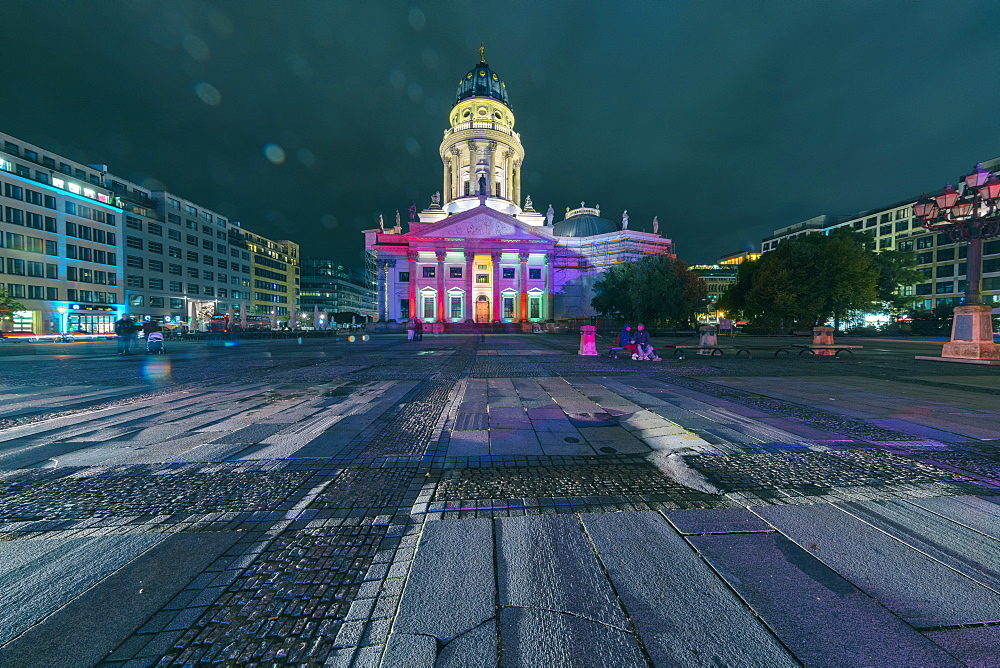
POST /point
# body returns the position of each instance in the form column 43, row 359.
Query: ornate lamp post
column 969, row 216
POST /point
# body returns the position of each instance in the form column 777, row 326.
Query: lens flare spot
column 274, row 153
column 156, row 370
column 208, row 93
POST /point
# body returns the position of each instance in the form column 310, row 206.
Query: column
column 470, row 313
column 515, row 175
column 497, row 306
column 523, row 285
column 491, row 150
column 412, row 255
column 440, row 276
column 447, row 179
column 550, row 301
column 456, row 173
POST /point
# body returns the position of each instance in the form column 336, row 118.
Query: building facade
column 80, row 246
column 477, row 255
column 330, row 287
column 60, row 239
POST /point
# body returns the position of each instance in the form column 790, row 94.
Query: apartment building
column 275, row 282
column 60, row 242
column 329, row 286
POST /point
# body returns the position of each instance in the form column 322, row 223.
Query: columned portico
column 549, row 287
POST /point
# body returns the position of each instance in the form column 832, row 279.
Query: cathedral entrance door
column 482, row 309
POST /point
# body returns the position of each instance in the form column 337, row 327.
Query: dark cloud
column 305, row 119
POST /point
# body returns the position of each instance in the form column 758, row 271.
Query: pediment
column 479, row 223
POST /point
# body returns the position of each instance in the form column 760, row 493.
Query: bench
column 812, row 348
column 630, row 350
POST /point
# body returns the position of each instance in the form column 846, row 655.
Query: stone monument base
column 971, row 337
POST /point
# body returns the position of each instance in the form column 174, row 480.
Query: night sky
column 304, row 120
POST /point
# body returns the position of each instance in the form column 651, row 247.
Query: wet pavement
column 462, row 503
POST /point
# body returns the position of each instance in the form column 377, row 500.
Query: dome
column 481, row 81
column 584, row 225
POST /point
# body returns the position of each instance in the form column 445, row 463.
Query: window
column 928, row 272
column 885, row 229
column 925, row 242
column 925, row 258
column 155, row 265
column 885, row 218
column 135, row 300
column 482, row 278
column 945, row 254
column 35, row 292
column 156, row 284
column 176, row 303
column 945, row 287
column 33, row 220
column 428, row 272
column 944, row 239
column 156, row 247
column 133, row 281
column 508, row 272
column 902, row 225
column 133, row 242
column 924, row 289
column 534, row 307
column 192, row 240
column 404, row 309
column 456, row 308
column 870, row 222
column 508, row 307
column 885, row 243
column 174, row 269
column 428, row 304
column 207, row 245
column 133, row 223
column 904, row 245
column 174, row 251
column 14, row 192
column 208, row 275
column 52, row 294
column 15, row 266
column 15, row 290
column 14, row 216
column 174, row 234
column 207, row 259
column 535, row 273
column 945, row 270
column 192, row 272
column 14, row 241
column 36, row 269
column 156, row 302
column 154, row 229
column 133, row 261
column 176, row 286
column 193, row 289
column 192, row 256
column 51, row 271
column 454, row 272
column 209, row 291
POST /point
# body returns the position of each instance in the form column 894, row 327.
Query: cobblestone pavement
column 505, row 502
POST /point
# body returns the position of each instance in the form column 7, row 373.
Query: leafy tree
column 807, row 281
column 653, row 289
column 896, row 268
column 8, row 305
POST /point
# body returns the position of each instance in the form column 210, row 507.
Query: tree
column 808, row 280
column 8, row 305
column 653, row 289
column 896, row 268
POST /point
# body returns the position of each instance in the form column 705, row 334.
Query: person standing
column 410, row 329
column 125, row 330
column 419, row 329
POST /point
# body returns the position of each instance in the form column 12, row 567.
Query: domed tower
column 481, row 143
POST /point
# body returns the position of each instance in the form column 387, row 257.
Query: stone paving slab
column 918, row 588
column 818, row 615
column 681, row 610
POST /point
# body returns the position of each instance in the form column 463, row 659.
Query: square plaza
column 463, row 502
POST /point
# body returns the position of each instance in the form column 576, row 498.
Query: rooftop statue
column 527, row 203
column 413, row 212
column 624, row 220
column 549, row 215
column 381, row 223
column 656, row 224
column 436, row 199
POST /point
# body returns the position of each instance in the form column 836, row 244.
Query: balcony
column 482, row 125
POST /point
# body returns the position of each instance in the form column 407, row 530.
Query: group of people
column 127, row 329
column 414, row 330
column 638, row 342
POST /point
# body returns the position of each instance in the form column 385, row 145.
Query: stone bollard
column 709, row 337
column 588, row 340
column 823, row 336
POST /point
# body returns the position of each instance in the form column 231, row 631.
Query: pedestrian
column 418, row 329
column 643, row 347
column 410, row 329
column 125, row 329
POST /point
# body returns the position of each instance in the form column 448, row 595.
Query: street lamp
column 968, row 216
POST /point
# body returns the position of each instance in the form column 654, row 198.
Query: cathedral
column 475, row 254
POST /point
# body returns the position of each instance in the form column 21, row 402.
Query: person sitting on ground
column 643, row 347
